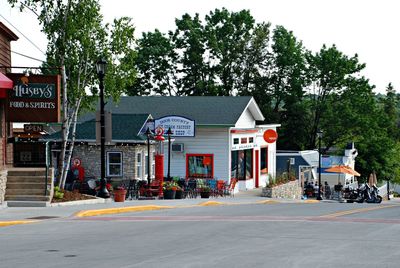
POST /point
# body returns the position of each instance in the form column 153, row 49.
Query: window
column 251, row 140
column 236, row 141
column 114, row 164
column 243, row 140
column 200, row 165
column 139, row 165
column 264, row 160
column 242, row 164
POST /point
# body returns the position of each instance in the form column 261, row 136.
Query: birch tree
column 77, row 38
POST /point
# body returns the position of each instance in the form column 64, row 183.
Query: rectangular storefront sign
column 34, row 98
column 180, row 126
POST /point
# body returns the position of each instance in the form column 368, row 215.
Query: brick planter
column 290, row 190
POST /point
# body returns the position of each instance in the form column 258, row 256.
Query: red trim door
column 257, row 169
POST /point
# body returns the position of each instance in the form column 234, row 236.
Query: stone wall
column 290, row 190
column 90, row 157
column 3, row 182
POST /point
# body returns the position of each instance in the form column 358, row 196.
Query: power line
column 30, row 41
column 26, row 56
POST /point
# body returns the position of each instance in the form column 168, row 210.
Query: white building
column 226, row 133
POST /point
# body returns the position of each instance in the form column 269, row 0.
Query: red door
column 257, row 168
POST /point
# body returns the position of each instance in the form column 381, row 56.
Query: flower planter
column 205, row 194
column 119, row 195
column 169, row 194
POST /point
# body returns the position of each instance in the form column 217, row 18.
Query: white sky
column 369, row 28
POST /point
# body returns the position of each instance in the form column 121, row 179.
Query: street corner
column 119, row 210
column 9, row 223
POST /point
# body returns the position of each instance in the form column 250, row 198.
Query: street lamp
column 148, row 135
column 319, row 134
column 169, row 133
column 101, row 72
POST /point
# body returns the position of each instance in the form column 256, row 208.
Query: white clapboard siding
column 246, row 120
column 207, row 141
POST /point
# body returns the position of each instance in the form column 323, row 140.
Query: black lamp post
column 319, row 134
column 169, row 133
column 101, row 71
column 148, row 135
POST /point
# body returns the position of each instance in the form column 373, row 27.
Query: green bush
column 58, row 193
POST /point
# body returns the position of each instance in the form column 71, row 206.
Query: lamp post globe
column 319, row 134
column 101, row 72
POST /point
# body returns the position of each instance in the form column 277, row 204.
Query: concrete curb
column 81, row 202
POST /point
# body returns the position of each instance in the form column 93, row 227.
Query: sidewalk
column 27, row 214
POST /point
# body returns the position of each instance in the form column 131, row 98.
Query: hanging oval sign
column 270, row 136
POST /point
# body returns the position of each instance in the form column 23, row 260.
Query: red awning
column 5, row 82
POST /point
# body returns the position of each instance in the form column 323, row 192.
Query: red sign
column 34, row 98
column 270, row 136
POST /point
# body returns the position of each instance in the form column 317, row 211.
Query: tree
column 76, row 39
column 156, row 65
column 330, row 71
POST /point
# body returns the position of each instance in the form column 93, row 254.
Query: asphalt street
column 237, row 233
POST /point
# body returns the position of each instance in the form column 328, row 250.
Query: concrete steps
column 26, row 187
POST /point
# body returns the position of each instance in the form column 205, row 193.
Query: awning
column 5, row 84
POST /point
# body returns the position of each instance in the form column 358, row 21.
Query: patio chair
column 212, row 183
column 230, row 189
column 132, row 189
column 221, row 187
column 190, row 189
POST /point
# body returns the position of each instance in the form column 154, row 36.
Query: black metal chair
column 132, row 189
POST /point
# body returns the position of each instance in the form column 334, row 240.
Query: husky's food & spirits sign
column 34, row 98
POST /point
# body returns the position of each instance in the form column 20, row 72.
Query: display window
column 200, row 165
column 264, row 160
column 242, row 164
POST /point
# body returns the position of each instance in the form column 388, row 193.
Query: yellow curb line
column 267, row 202
column 8, row 223
column 311, row 201
column 353, row 211
column 97, row 212
column 210, row 203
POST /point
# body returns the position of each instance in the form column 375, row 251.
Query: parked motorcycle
column 363, row 193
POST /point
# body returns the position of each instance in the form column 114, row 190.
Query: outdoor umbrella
column 342, row 169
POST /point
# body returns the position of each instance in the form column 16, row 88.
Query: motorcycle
column 363, row 193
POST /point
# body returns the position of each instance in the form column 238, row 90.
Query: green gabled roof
column 125, row 127
column 205, row 110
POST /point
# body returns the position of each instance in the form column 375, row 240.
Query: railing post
column 47, row 167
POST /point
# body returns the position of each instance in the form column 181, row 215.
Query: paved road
column 245, row 235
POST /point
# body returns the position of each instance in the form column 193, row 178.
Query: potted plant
column 205, row 191
column 178, row 192
column 119, row 193
column 169, row 190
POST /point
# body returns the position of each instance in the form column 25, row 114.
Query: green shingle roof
column 125, row 127
column 205, row 110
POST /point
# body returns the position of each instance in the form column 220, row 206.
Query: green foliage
column 58, row 193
